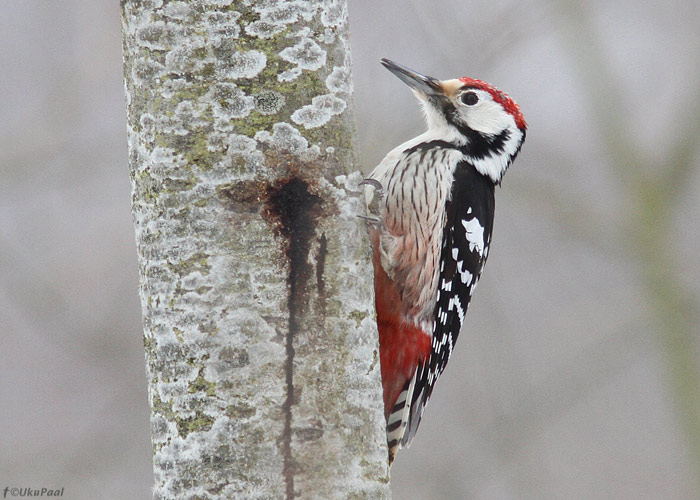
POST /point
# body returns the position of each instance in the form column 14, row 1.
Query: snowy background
column 565, row 381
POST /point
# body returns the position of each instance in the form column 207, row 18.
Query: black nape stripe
column 424, row 146
column 478, row 145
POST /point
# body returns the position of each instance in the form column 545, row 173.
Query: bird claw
column 373, row 203
column 372, row 221
column 374, row 183
column 374, row 200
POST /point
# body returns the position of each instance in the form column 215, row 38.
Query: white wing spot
column 475, row 235
column 460, row 311
column 465, row 275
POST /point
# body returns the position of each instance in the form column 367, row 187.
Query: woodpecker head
column 484, row 122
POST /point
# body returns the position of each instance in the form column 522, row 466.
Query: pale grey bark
column 261, row 348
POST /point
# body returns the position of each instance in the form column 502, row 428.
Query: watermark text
column 31, row 492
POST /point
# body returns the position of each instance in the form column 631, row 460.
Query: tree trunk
column 261, row 348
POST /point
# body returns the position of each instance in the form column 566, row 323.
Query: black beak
column 428, row 85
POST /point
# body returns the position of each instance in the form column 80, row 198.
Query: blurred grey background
column 575, row 375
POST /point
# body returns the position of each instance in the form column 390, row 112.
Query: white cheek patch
column 487, row 116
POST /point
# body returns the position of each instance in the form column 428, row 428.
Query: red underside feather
column 402, row 345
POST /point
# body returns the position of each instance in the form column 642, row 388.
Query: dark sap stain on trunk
column 295, row 209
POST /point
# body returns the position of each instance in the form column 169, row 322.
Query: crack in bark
column 320, row 269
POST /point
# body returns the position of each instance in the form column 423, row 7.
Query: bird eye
column 470, row 98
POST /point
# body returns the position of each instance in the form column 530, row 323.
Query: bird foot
column 372, row 182
column 374, row 222
column 378, row 188
column 374, row 203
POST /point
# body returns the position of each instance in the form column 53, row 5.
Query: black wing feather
column 462, row 261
